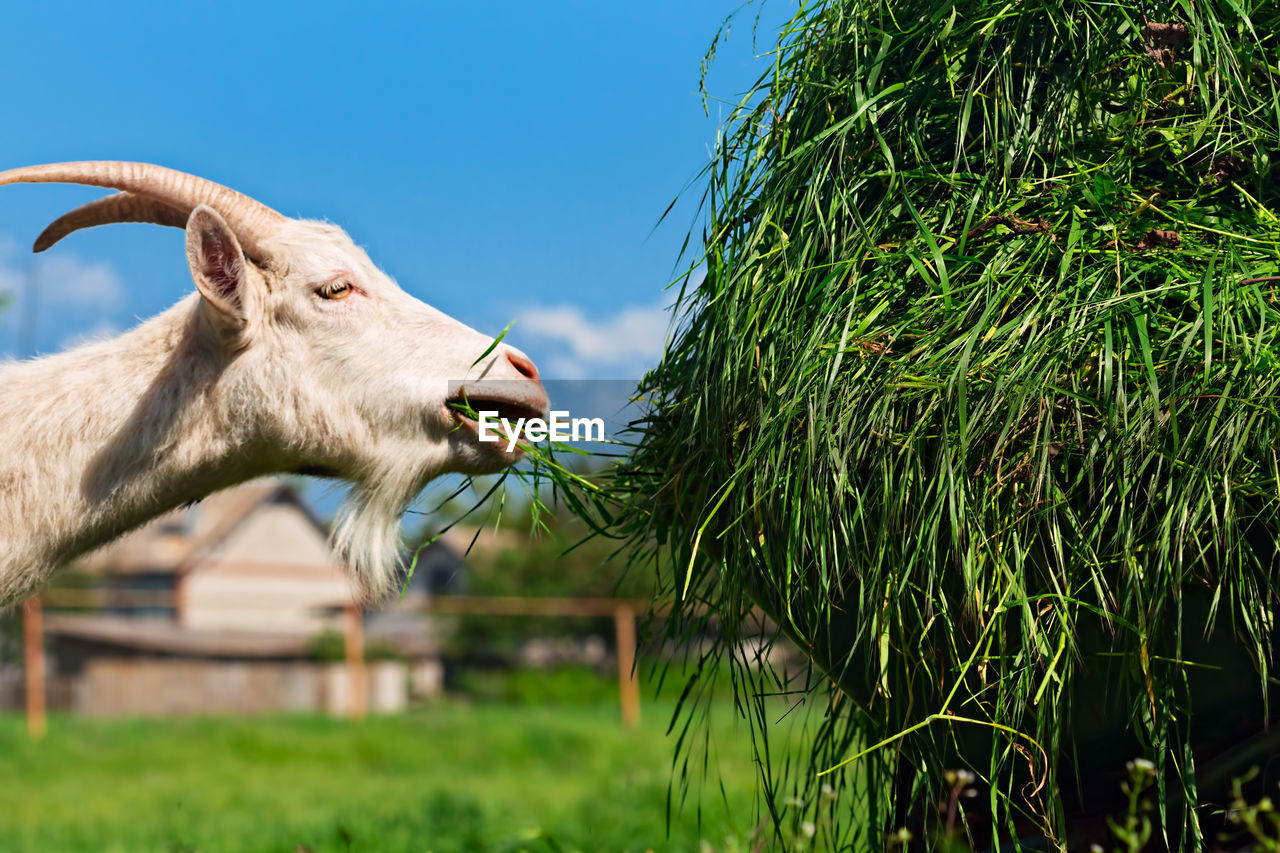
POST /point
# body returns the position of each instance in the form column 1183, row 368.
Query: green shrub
column 331, row 646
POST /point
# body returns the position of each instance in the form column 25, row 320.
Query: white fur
column 105, row 437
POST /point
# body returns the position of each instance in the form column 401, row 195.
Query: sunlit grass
column 449, row 778
column 981, row 380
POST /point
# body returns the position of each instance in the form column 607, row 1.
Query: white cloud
column 629, row 341
column 10, row 281
column 62, row 279
column 75, row 299
column 66, row 280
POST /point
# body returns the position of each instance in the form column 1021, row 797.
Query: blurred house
column 236, row 604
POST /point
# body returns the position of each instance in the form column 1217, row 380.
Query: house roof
column 403, row 631
column 162, row 636
column 174, row 541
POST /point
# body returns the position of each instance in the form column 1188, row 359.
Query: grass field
column 447, row 778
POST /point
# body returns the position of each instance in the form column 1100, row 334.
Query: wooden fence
column 623, row 611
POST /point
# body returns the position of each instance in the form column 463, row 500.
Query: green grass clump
column 977, row 398
column 449, row 779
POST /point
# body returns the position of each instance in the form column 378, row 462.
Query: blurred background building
column 234, row 604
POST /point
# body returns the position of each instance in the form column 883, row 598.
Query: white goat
column 296, row 355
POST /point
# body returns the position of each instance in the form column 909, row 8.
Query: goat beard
column 367, row 534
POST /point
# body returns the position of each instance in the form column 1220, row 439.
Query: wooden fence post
column 33, row 656
column 624, row 618
column 354, row 636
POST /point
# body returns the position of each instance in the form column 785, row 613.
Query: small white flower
column 808, row 829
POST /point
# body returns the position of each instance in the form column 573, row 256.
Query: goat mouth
column 463, row 407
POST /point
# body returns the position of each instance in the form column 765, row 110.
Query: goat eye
column 339, row 289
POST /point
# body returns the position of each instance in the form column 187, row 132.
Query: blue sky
column 502, row 161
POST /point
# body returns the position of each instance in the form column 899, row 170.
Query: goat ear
column 217, row 264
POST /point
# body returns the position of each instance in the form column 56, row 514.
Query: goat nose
column 522, row 365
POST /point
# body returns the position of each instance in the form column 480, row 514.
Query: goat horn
column 252, row 221
column 121, row 207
